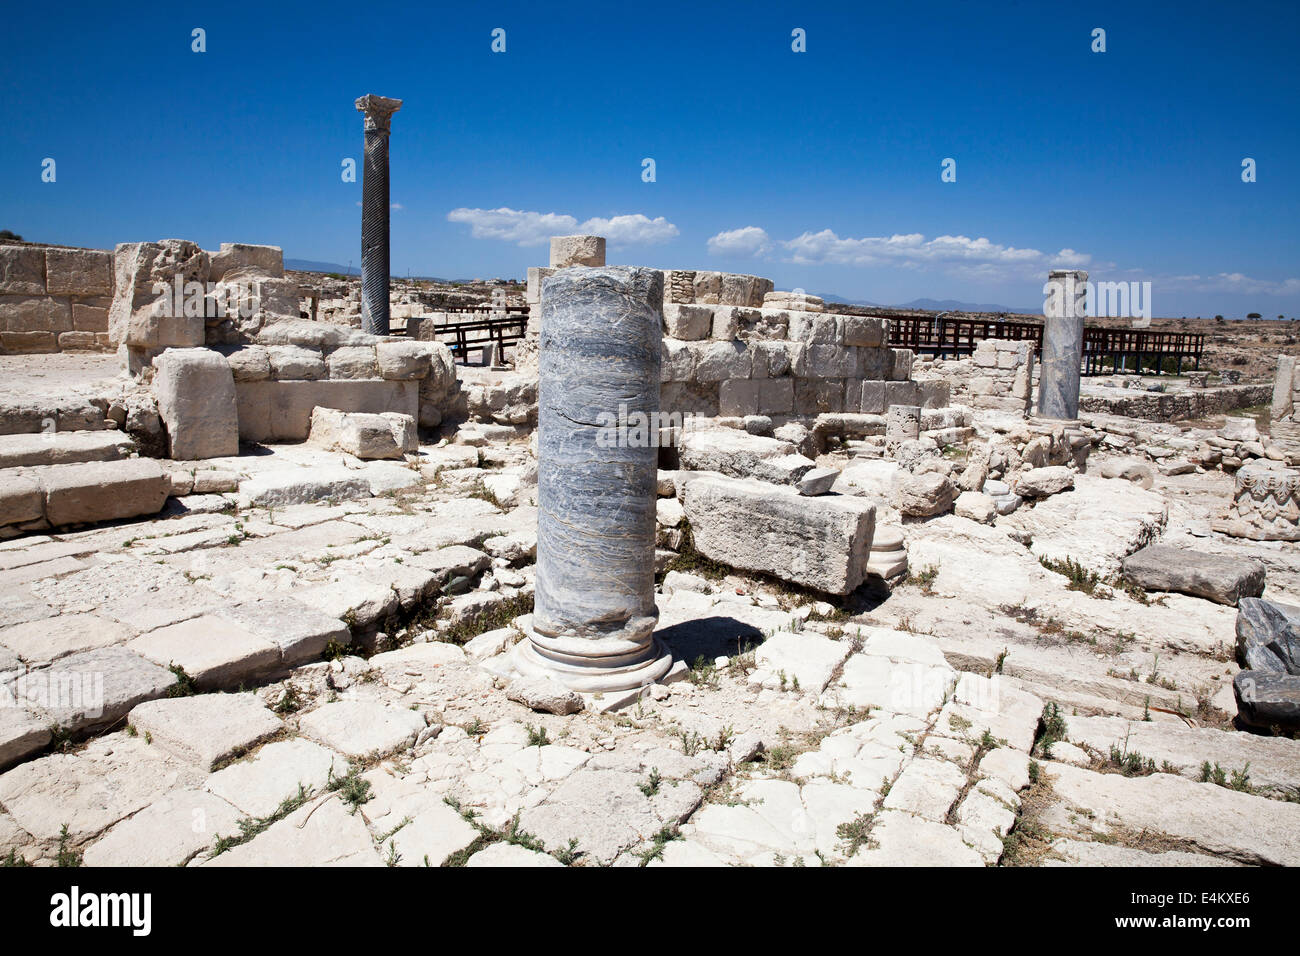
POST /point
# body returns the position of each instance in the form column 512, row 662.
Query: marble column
column 599, row 353
column 378, row 112
column 1062, row 358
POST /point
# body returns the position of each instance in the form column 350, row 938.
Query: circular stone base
column 595, row 674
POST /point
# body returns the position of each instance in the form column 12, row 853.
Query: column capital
column 378, row 110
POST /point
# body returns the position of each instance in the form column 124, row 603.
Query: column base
column 593, row 672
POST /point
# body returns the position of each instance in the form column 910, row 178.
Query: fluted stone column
column 594, row 617
column 1062, row 360
column 378, row 112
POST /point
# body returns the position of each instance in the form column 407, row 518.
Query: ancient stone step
column 83, row 492
column 60, row 448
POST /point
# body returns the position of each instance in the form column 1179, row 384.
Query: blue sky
column 819, row 169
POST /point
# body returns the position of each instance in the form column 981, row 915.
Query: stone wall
column 54, row 298
column 735, row 361
column 1000, row 374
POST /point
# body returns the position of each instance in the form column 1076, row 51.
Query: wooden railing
column 1105, row 351
column 482, row 328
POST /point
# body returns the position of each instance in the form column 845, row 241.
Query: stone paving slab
column 301, row 633
column 169, row 832
column 259, row 785
column 322, row 833
column 40, row 642
column 94, row 690
column 215, row 652
column 22, row 731
column 206, row 729
column 361, row 728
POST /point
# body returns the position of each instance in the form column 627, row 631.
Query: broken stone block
column 388, row 435
column 689, row 323
column 742, row 455
column 302, row 486
column 258, row 786
column 1044, row 482
column 803, row 662
column 266, row 260
column 1268, row 636
column 817, row 481
column 353, row 361
column 195, row 389
column 577, row 251
column 205, row 729
column 1268, row 700
column 323, row 833
column 405, row 361
column 293, row 362
column 145, row 313
column 975, row 506
column 544, row 695
column 102, row 490
column 22, row 732
column 1224, row 580
column 822, row 543
column 925, row 495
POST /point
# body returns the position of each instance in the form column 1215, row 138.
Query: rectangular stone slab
column 1162, row 567
column 821, row 543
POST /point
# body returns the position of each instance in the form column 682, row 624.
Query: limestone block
column 690, row 323
column 775, row 396
column 28, row 314
column 22, row 733
column 145, row 313
column 871, row 398
column 794, row 301
column 21, row 500
column 22, row 270
column 902, row 393
column 352, row 362
column 708, row 286
column 876, row 363
column 739, row 397
column 195, row 389
column 577, row 251
column 78, row 272
column 925, row 495
column 1044, row 482
column 771, row 359
column 865, row 330
column 90, row 315
column 934, row 394
column 976, row 506
column 294, row 363
column 250, row 364
column 818, row 542
column 814, row 396
column 902, row 365
column 77, row 342
column 102, row 490
column 280, row 411
column 826, row 361
column 533, row 291
column 678, row 361
column 268, row 260
column 169, row 832
column 815, row 328
column 1283, row 387
column 719, row 361
column 303, row 485
column 364, row 435
column 402, row 361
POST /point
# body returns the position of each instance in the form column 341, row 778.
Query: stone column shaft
column 378, row 112
column 599, row 355
column 1062, row 360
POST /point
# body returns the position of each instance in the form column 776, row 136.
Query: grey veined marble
column 599, row 351
column 1058, row 383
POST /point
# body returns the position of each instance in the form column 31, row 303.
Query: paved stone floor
column 289, row 684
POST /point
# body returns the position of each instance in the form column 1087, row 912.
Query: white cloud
column 633, row 230
column 398, row 205
column 748, row 241
column 960, row 255
column 514, row 225
column 536, row 228
column 1231, row 282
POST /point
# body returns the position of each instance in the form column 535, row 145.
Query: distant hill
column 307, row 265
column 931, row 305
